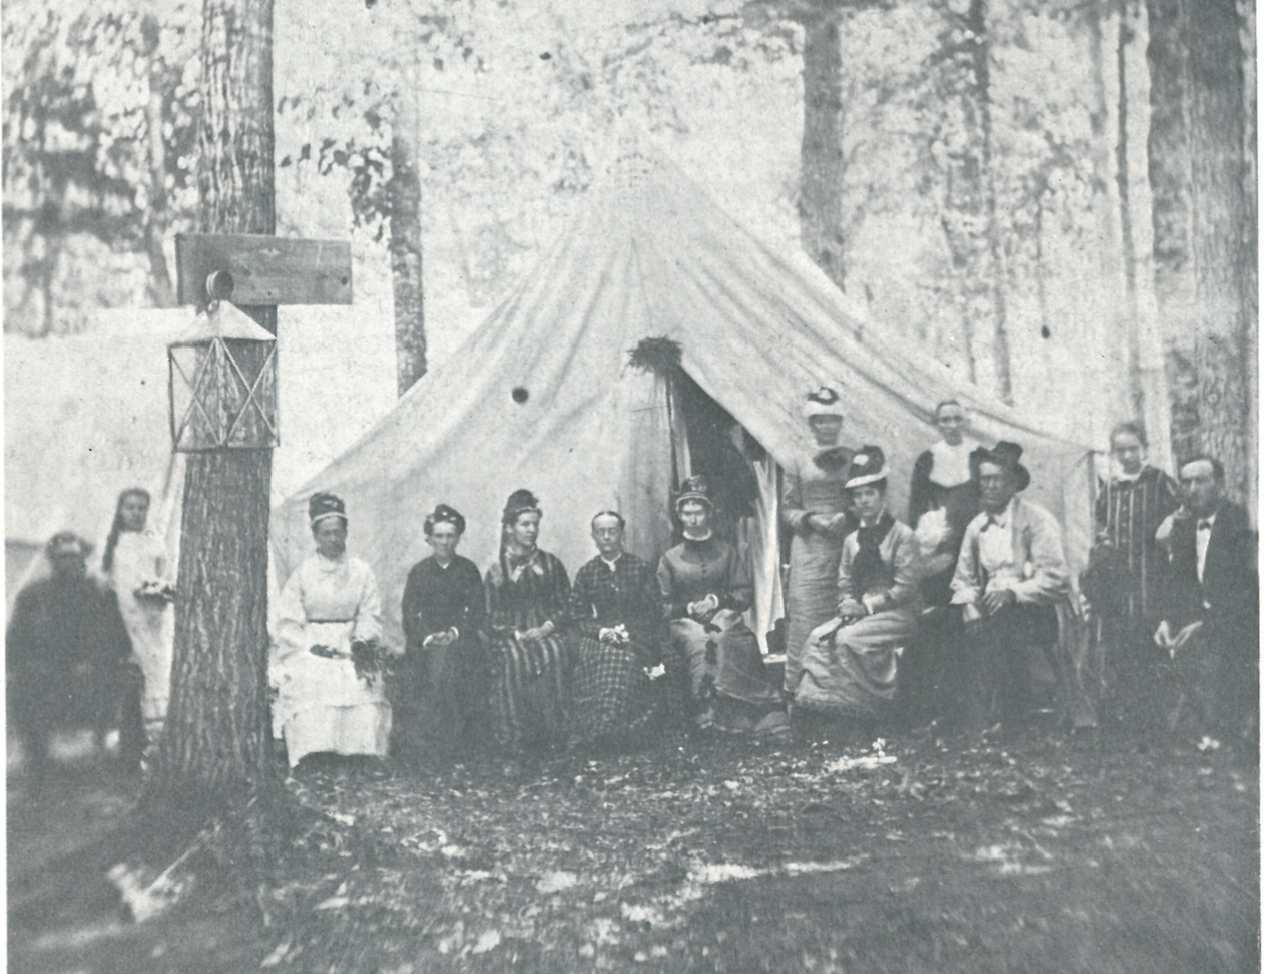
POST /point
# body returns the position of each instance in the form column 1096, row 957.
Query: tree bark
column 821, row 152
column 977, row 18
column 1223, row 236
column 405, row 193
column 216, row 750
column 1124, row 34
column 162, row 293
column 1168, row 166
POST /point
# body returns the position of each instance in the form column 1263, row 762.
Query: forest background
column 1008, row 182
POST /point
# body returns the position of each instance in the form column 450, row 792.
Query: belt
column 322, row 621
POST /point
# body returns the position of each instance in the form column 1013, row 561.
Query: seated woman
column 331, row 697
column 615, row 607
column 850, row 661
column 441, row 698
column 705, row 586
column 527, row 593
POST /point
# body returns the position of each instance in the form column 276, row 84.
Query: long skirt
column 811, row 597
column 612, row 698
column 730, row 688
column 439, row 696
column 529, row 691
column 851, row 670
column 357, row 729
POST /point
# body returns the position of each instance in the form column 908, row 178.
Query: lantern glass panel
column 223, row 394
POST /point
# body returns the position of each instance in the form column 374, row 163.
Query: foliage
column 77, row 139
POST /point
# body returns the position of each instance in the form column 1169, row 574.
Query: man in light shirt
column 1010, row 574
column 1210, row 625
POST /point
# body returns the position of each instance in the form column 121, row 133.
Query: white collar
column 1210, row 520
column 951, row 465
column 1002, row 519
column 608, row 563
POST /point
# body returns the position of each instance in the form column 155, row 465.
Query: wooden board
column 266, row 270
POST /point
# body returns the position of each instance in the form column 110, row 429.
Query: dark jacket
column 1228, row 598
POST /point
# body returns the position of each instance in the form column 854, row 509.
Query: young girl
column 135, row 567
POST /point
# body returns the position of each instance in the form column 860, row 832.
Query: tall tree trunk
column 1124, row 34
column 1111, row 334
column 1168, row 173
column 217, row 744
column 406, row 238
column 1168, row 164
column 977, row 19
column 821, row 152
column 1251, row 249
column 1223, row 236
column 162, row 294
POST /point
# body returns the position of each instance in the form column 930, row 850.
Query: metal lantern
column 222, row 379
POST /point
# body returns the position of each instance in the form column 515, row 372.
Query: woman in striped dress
column 1124, row 582
column 527, row 595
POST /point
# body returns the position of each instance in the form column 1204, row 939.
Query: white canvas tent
column 542, row 395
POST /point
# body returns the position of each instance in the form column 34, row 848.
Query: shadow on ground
column 1040, row 854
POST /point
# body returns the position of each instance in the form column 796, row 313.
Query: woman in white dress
column 135, row 567
column 331, row 697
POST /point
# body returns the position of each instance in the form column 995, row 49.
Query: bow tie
column 1205, row 526
column 990, row 523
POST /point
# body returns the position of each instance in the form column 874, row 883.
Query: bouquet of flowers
column 369, row 658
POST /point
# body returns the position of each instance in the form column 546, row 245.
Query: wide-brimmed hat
column 823, row 401
column 1005, row 455
column 869, row 466
column 323, row 505
column 695, row 489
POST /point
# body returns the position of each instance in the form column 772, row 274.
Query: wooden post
column 216, row 751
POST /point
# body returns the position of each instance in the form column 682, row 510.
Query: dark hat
column 521, row 501
column 869, row 466
column 325, row 505
column 443, row 514
column 1006, row 455
column 695, row 489
column 67, row 543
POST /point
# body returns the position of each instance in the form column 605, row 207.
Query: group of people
column 89, row 646
column 945, row 613
column 954, row 608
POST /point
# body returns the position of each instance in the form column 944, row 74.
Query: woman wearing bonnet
column 815, row 508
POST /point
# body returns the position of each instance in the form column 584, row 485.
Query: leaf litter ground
column 1040, row 854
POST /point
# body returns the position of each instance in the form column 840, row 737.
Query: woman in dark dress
column 705, row 587
column 1125, row 580
column 442, row 686
column 527, row 595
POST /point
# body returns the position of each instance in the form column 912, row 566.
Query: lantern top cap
column 223, row 319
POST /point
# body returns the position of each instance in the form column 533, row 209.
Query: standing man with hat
column 1011, row 573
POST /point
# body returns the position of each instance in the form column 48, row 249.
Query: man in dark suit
column 1210, row 625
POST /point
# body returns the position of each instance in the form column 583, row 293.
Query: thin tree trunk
column 977, row 19
column 821, row 152
column 216, row 749
column 1111, row 334
column 406, row 238
column 1124, row 34
column 1251, row 248
column 1223, row 236
column 162, row 293
column 1168, row 167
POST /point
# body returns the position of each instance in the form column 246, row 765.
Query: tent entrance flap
column 708, row 442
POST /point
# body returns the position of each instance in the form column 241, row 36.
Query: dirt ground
column 1043, row 853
